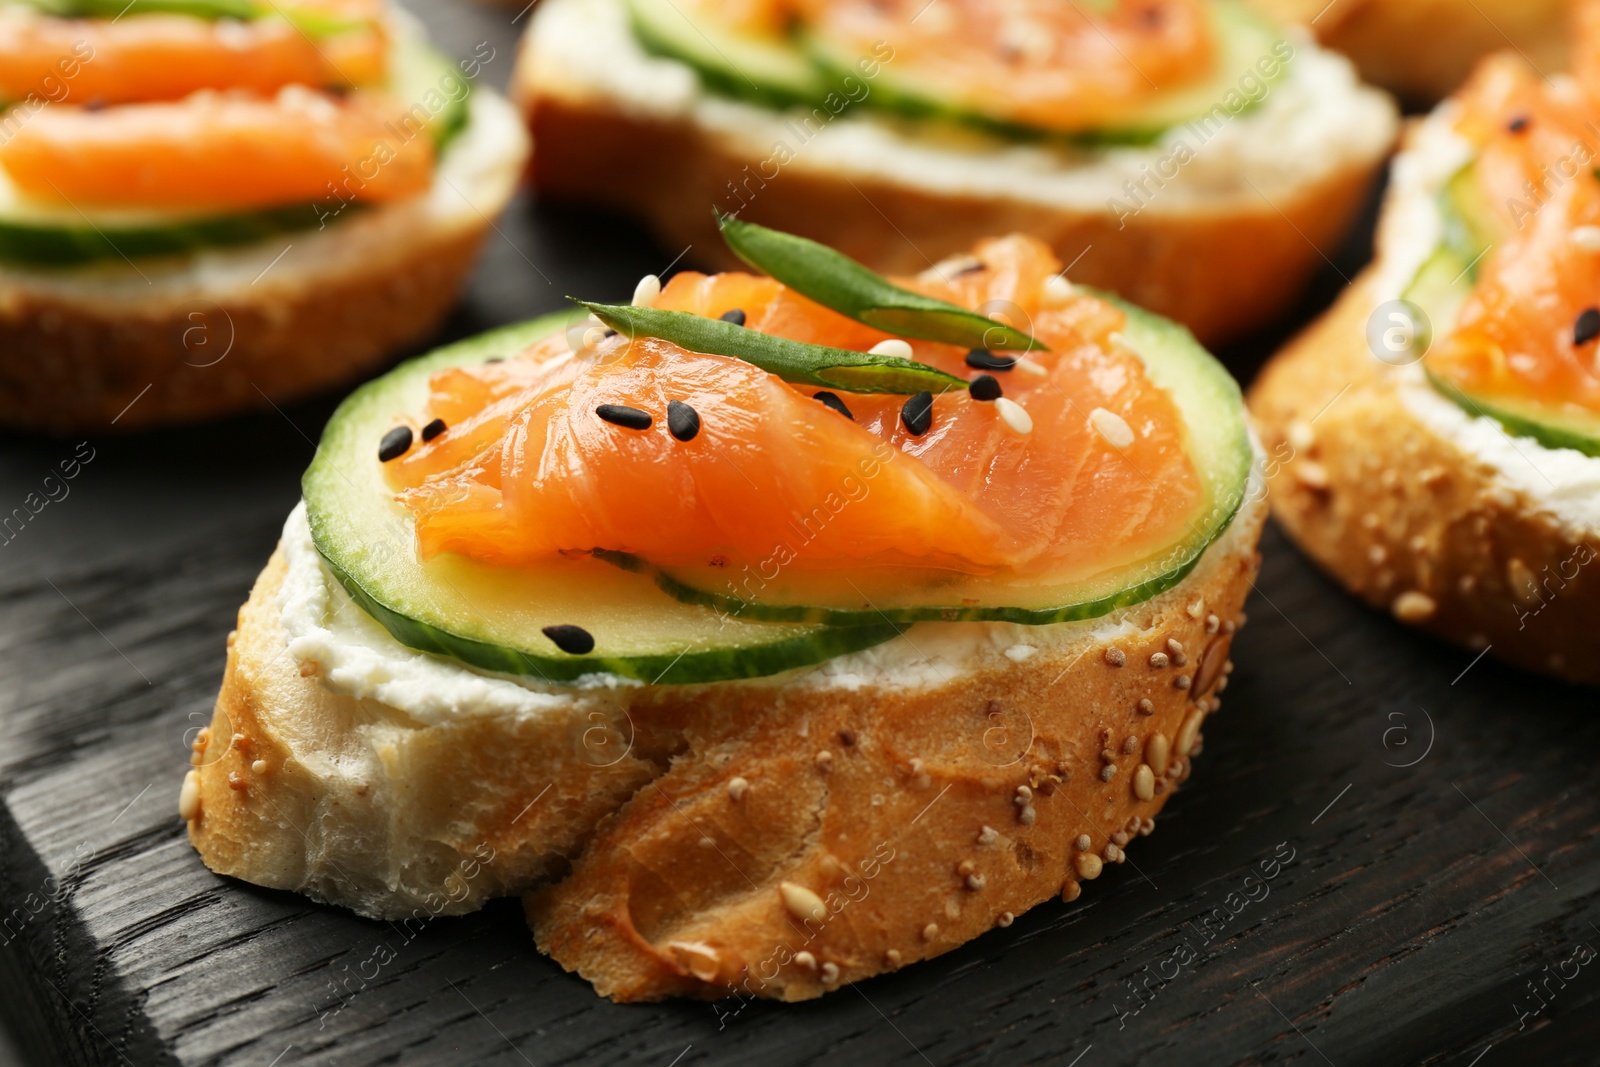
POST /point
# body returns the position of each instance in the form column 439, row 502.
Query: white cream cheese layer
column 1311, row 123
column 1559, row 481
column 356, row 656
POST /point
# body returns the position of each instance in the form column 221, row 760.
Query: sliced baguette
column 668, row 869
column 1222, row 243
column 128, row 344
column 1408, row 513
column 1423, row 49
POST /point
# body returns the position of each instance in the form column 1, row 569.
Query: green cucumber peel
column 793, row 361
column 836, row 281
column 315, row 23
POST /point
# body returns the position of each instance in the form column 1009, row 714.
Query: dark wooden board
column 1419, row 901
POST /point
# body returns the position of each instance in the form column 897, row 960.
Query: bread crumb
column 1412, row 606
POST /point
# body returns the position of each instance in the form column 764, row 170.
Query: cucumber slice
column 50, row 236
column 766, row 71
column 493, row 618
column 1213, row 412
column 1469, row 229
column 923, row 91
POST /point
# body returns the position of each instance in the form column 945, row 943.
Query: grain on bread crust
column 1407, row 520
column 350, row 801
column 1423, row 50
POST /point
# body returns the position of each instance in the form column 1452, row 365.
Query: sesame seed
column 832, row 402
column 1014, row 415
column 981, row 359
column 975, row 882
column 917, row 413
column 1120, row 838
column 1004, row 919
column 495, row 359
column 824, row 761
column 1158, row 660
column 733, row 315
column 395, row 444
column 984, row 387
column 1213, row 624
column 1026, row 815
column 1130, row 745
column 957, row 265
column 1518, row 124
column 803, row 903
column 987, row 835
column 830, row 973
column 1028, row 366
column 1024, row 794
column 573, row 640
column 736, row 788
column 892, row 957
column 806, row 960
column 259, row 766
column 1412, row 606
column 1083, row 843
column 1314, row 475
column 683, row 421
column 1144, row 782
column 1146, row 706
column 624, row 416
column 189, row 797
column 1587, row 328
column 1586, row 238
column 1111, row 852
column 432, row 430
column 1116, row 657
column 1088, row 866
column 1182, row 681
column 892, row 347
column 930, row 931
column 645, row 293
column 1111, row 426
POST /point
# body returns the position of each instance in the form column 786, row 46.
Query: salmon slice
column 1045, row 63
column 527, row 469
column 167, row 57
column 227, row 151
column 1518, row 334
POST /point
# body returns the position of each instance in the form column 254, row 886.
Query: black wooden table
column 1431, row 823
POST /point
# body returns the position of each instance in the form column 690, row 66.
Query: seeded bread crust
column 124, row 346
column 1222, row 271
column 1409, row 522
column 356, row 803
column 1422, row 50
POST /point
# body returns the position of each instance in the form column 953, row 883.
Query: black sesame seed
column 917, row 413
column 395, row 444
column 495, row 359
column 683, row 421
column 1587, row 328
column 573, row 640
column 734, row 315
column 972, row 268
column 433, row 429
column 622, row 415
column 984, row 387
column 978, row 359
column 609, row 333
column 1518, row 124
column 833, row 403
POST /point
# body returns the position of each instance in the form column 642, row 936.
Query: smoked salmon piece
column 1524, row 332
column 167, row 57
column 526, row 468
column 222, row 151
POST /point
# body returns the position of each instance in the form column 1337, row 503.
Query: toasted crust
column 1422, row 50
column 677, row 869
column 1407, row 520
column 123, row 346
column 1222, row 268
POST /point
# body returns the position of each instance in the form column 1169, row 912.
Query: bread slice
column 128, row 344
column 1425, row 512
column 923, row 791
column 1214, row 227
column 1423, row 49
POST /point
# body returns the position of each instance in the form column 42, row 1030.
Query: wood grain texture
column 1418, row 903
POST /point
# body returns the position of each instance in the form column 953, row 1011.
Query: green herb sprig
column 836, row 281
column 793, row 361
